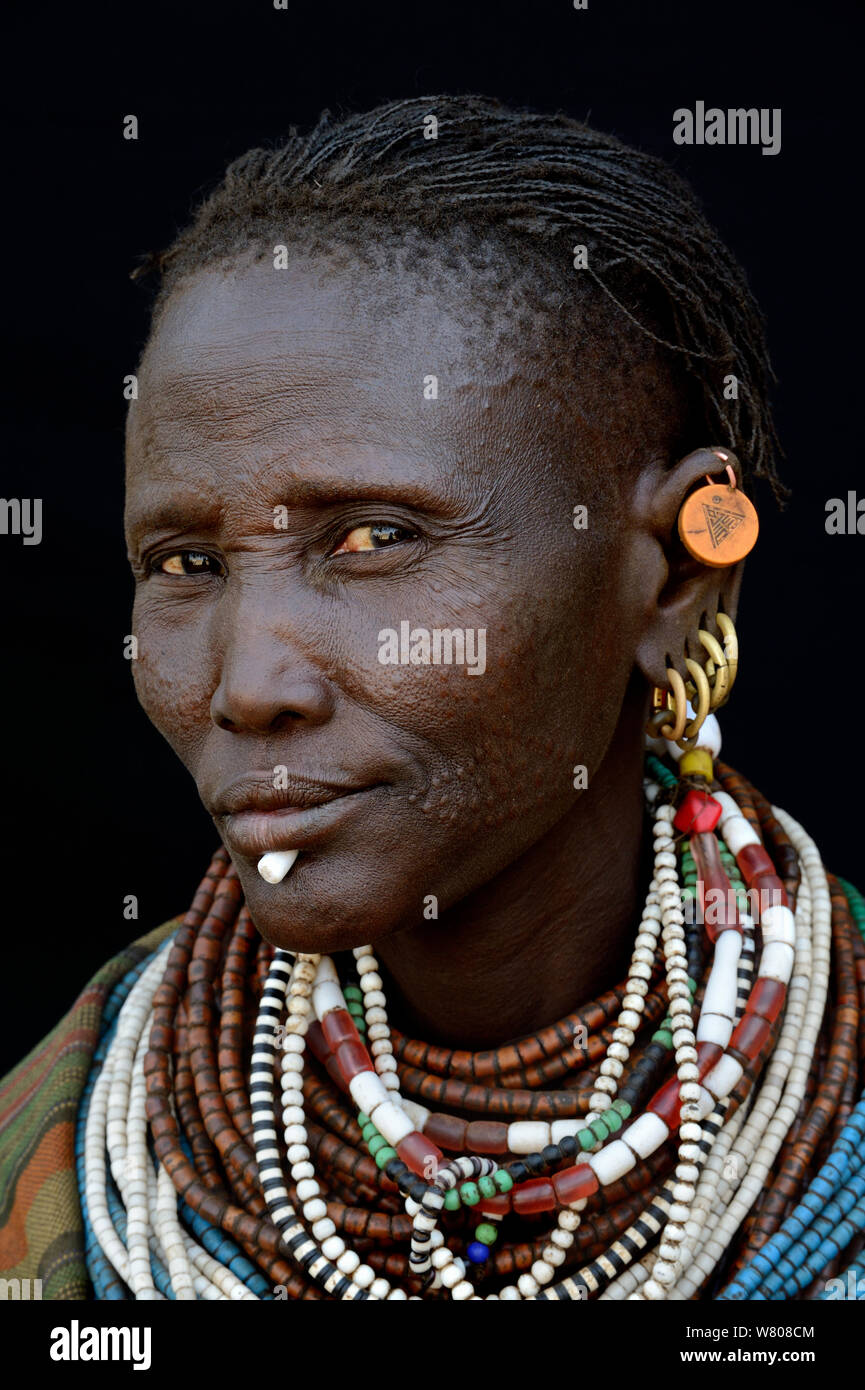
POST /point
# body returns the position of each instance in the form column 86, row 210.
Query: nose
column 267, row 682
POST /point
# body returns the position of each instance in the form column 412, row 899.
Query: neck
column 550, row 932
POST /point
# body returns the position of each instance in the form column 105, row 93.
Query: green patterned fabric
column 41, row 1232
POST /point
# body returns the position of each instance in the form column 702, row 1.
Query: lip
column 253, row 833
column 255, row 817
column 254, row 791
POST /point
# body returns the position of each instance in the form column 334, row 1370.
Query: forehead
column 346, row 318
column 248, row 361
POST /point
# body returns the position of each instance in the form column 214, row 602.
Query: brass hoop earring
column 707, row 689
column 731, row 646
column 676, row 703
column 717, row 669
column 688, row 739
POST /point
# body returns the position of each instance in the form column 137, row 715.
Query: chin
column 325, row 905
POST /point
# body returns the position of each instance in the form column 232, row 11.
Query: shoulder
column 41, row 1234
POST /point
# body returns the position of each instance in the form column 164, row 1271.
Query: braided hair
column 538, row 183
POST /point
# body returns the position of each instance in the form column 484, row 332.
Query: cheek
column 173, row 679
column 504, row 744
column 507, row 743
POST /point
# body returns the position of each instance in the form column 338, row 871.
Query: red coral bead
column 770, row 891
column 338, row 1027
column 316, row 1041
column 317, row 1044
column 447, row 1130
column 420, row 1154
column 699, row 813
column 754, row 860
column 332, row 1068
column 708, row 1053
column 574, row 1183
column 534, row 1195
column 750, row 1034
column 486, row 1137
column 767, row 999
column 716, row 897
column 665, row 1103
column 499, row 1205
column 351, row 1058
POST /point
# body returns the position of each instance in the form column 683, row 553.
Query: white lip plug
column 274, row 866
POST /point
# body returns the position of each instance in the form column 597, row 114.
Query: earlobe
column 680, row 711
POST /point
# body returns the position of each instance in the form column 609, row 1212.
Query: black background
column 94, row 805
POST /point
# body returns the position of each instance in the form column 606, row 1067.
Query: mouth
column 255, row 818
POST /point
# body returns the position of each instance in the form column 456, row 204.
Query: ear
column 681, row 595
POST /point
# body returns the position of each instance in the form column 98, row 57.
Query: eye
column 375, row 537
column 188, row 562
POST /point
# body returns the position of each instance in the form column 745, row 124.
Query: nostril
column 245, row 706
column 284, row 720
column 287, row 719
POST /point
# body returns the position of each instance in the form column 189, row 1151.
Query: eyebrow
column 183, row 507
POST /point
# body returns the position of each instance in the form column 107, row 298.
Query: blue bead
column 241, row 1267
column 478, row 1252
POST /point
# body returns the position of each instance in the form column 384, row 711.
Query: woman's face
column 299, row 488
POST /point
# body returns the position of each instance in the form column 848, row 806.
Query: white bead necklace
column 722, row 1163
column 116, row 1122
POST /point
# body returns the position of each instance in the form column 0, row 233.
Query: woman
column 427, row 398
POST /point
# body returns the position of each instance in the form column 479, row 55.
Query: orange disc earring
column 718, row 525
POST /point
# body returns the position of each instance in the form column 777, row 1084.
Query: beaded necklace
column 394, row 1169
